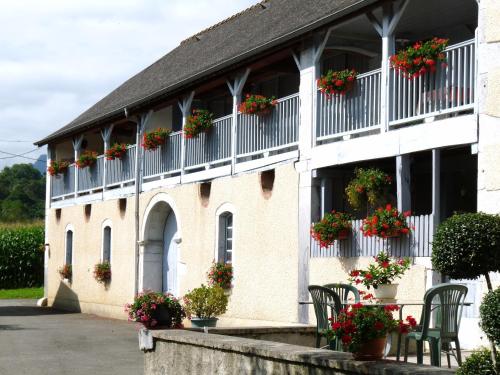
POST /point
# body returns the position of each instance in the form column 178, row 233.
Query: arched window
column 106, row 244
column 69, row 247
column 225, row 245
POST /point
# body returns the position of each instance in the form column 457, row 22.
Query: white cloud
column 59, row 57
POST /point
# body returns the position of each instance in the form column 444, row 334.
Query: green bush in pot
column 204, row 304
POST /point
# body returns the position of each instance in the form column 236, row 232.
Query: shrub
column 21, row 256
column 206, row 302
column 490, row 319
column 478, row 363
column 466, row 246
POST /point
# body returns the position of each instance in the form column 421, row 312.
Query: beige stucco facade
column 264, row 253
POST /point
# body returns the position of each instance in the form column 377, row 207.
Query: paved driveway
column 39, row 341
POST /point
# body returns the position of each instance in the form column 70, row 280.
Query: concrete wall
column 264, row 250
column 184, row 352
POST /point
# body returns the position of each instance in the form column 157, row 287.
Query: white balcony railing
column 416, row 244
column 121, row 171
column 356, row 111
column 63, row 184
column 91, row 178
column 278, row 130
column 449, row 89
column 166, row 159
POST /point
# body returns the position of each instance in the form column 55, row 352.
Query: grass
column 21, row 293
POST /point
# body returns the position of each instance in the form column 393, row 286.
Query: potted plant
column 102, row 272
column 203, row 304
column 118, row 150
column 420, row 58
column 153, row 139
column 333, row 226
column 154, row 309
column 65, row 272
column 363, row 329
column 257, row 105
column 200, row 121
column 368, row 187
column 381, row 275
column 386, row 222
column 86, row 159
column 221, row 274
column 57, row 167
column 337, row 82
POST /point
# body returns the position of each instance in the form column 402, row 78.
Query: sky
column 59, row 57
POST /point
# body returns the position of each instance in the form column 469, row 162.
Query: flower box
column 386, row 222
column 86, row 159
column 102, row 272
column 57, row 167
column 420, row 58
column 221, row 274
column 333, row 226
column 154, row 139
column 337, row 82
column 117, row 151
column 257, row 105
column 200, row 121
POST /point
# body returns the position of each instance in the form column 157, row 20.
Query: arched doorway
column 159, row 255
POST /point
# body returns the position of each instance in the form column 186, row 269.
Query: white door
column 170, row 256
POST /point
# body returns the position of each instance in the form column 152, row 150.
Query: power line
column 18, row 155
column 14, row 141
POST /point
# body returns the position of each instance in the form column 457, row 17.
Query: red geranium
column 337, row 82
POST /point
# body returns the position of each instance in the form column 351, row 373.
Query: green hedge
column 21, row 256
column 490, row 318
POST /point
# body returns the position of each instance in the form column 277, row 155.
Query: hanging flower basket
column 117, row 151
column 221, row 274
column 367, row 187
column 333, row 226
column 257, row 105
column 337, row 82
column 386, row 222
column 154, row 139
column 420, row 58
column 65, row 272
column 102, row 272
column 200, row 121
column 57, row 167
column 86, row 159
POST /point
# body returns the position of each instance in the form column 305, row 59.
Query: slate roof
column 256, row 29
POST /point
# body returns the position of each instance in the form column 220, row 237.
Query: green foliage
column 22, row 193
column 21, row 256
column 369, row 186
column 331, row 227
column 490, row 319
column 206, row 302
column 467, row 246
column 26, row 293
column 221, row 274
column 478, row 363
column 152, row 308
column 102, row 272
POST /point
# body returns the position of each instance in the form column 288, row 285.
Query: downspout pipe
column 136, row 203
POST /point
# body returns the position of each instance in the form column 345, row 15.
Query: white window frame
column 223, row 209
column 69, row 228
column 105, row 224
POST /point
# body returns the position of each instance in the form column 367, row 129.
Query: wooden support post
column 436, row 187
column 106, row 137
column 403, row 179
column 77, row 147
column 236, row 89
column 185, row 107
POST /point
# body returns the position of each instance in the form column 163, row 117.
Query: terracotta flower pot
column 371, row 350
column 386, row 291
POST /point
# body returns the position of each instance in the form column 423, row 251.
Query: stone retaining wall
column 187, row 352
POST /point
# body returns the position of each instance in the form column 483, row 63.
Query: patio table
column 401, row 304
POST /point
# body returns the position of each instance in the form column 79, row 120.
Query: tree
column 22, row 193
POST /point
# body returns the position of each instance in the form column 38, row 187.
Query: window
column 225, row 251
column 69, row 247
column 106, row 244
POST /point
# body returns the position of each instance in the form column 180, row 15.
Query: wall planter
column 221, row 274
column 86, row 159
column 337, row 82
column 117, row 151
column 57, row 167
column 203, row 322
column 102, row 272
column 198, row 122
column 154, row 139
column 420, row 58
column 257, row 105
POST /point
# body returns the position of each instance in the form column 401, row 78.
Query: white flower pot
column 386, row 291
